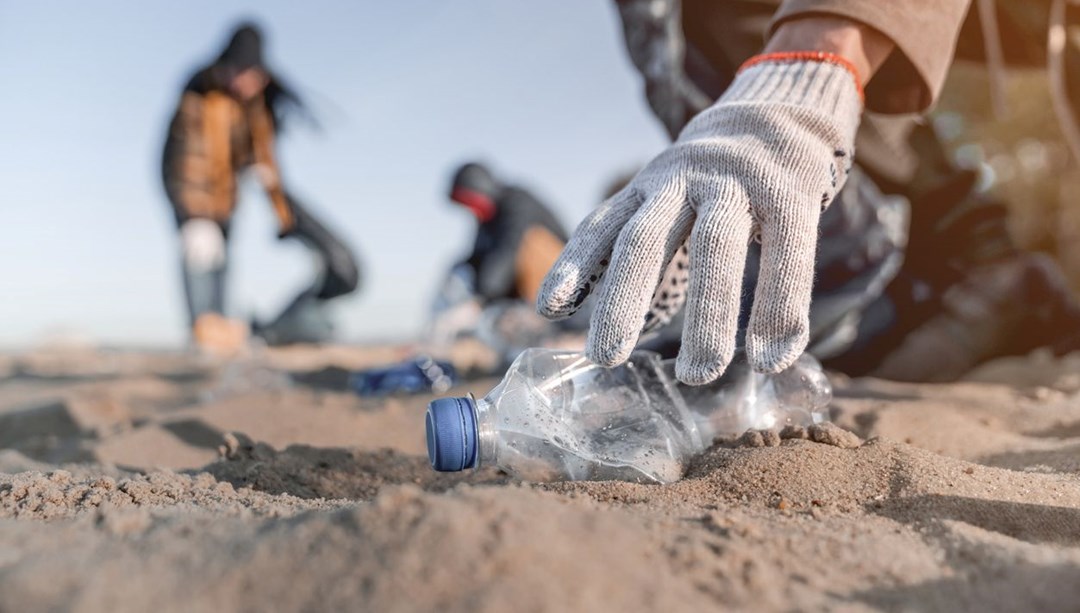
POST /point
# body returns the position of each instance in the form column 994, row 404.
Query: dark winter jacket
column 515, row 249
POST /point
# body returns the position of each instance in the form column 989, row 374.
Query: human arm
column 922, row 34
column 185, row 164
column 763, row 161
column 262, row 142
column 493, row 254
column 864, row 47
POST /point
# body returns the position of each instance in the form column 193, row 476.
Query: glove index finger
column 644, row 247
column 582, row 262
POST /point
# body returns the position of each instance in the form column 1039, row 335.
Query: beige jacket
column 925, row 33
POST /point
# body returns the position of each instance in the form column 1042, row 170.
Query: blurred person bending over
column 228, row 118
column 914, row 276
column 490, row 294
column 517, row 237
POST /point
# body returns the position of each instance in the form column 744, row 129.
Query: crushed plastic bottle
column 746, row 400
column 557, row 416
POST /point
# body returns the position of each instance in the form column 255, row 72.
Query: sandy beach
column 135, row 481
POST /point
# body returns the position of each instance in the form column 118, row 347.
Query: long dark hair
column 245, row 50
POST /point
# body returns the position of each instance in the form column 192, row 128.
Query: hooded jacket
column 517, row 245
column 213, row 137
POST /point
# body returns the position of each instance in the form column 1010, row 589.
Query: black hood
column 245, row 49
column 476, row 177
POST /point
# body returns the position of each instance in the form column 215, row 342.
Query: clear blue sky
column 406, row 90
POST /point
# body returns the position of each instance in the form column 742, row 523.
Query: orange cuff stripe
column 807, row 56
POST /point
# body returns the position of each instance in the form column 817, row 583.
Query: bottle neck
column 486, row 436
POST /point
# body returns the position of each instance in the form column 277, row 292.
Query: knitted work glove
column 762, row 162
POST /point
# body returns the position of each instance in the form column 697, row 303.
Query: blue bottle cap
column 451, row 434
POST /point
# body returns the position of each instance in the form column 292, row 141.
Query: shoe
column 217, row 335
column 1006, row 308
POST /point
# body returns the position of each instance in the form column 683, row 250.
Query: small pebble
column 831, row 434
column 794, row 432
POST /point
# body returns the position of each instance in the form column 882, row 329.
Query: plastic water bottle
column 746, row 400
column 557, row 416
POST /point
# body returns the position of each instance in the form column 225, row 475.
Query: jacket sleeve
column 197, row 167
column 925, row 34
column 185, row 169
column 496, row 268
column 262, row 142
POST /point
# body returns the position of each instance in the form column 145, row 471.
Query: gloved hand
column 203, row 245
column 762, row 162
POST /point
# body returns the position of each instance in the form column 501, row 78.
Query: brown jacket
column 928, row 34
column 727, row 32
column 211, row 139
column 925, row 33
